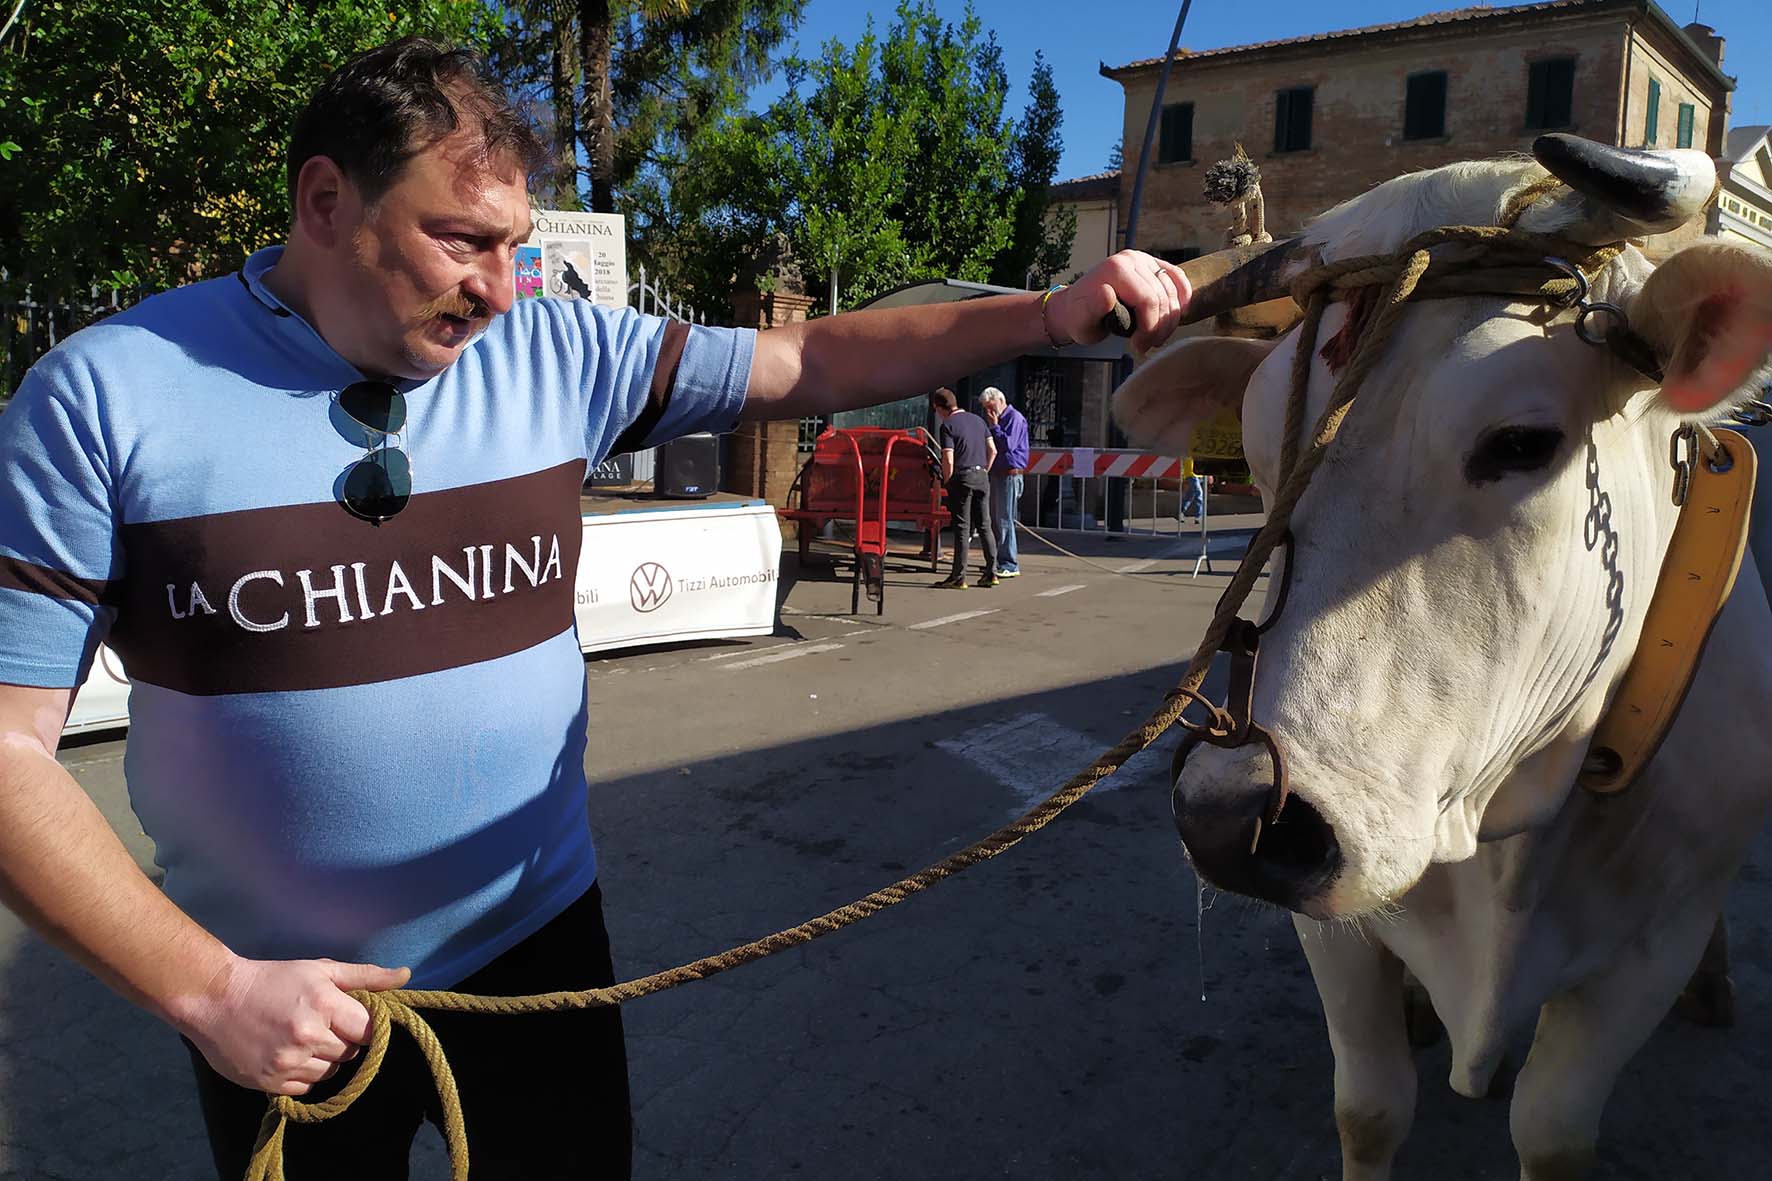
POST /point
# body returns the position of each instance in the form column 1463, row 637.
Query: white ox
column 1435, row 676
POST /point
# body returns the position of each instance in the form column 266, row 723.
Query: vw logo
column 649, row 587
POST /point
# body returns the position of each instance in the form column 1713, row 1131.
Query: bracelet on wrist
column 1045, row 324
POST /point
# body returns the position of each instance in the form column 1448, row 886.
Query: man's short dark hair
column 386, row 105
column 943, row 399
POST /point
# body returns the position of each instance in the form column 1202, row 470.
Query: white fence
column 1114, row 492
column 28, row 328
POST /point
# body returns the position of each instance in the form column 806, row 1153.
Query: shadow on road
column 1038, row 1017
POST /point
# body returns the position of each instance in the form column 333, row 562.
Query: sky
column 1078, row 37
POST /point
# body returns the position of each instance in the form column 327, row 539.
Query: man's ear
column 1708, row 312
column 1182, row 386
column 321, row 192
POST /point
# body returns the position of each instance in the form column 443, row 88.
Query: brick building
column 1330, row 115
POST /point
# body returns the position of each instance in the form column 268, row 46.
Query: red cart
column 870, row 475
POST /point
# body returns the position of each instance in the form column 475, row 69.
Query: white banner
column 701, row 571
column 575, row 255
column 651, row 576
column 103, row 699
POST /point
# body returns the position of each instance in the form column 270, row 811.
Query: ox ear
column 1708, row 312
column 1182, row 385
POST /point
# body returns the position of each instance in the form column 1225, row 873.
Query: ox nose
column 1295, row 857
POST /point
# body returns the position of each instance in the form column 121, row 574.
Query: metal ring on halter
column 1754, row 412
column 1575, row 298
column 1291, row 561
column 1719, row 460
column 1217, row 725
column 1611, row 309
column 1278, row 791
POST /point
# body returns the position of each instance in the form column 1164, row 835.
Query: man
column 966, row 456
column 1193, row 491
column 326, row 509
column 1009, row 431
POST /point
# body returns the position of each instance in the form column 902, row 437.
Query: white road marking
column 1174, row 551
column 745, row 651
column 1032, row 754
column 947, row 619
column 79, row 764
column 789, row 654
column 1061, row 590
column 866, row 631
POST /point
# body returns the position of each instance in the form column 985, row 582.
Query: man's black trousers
column 969, row 499
column 543, row 1094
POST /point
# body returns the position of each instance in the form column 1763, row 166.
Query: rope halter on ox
column 1628, row 192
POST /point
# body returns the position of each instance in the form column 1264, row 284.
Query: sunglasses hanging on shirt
column 378, row 485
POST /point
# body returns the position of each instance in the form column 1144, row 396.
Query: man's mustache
column 457, row 304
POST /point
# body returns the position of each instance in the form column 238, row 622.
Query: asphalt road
column 1040, row 1016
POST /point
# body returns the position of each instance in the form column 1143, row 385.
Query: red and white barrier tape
column 1066, row 461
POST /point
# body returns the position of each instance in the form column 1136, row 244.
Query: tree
column 889, row 161
column 626, row 82
column 149, row 133
column 1041, row 245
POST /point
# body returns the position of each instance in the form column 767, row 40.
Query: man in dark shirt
column 966, row 456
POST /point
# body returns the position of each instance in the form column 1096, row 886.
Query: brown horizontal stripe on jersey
column 17, row 574
column 219, row 604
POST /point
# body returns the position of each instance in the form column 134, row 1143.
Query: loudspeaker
column 688, row 468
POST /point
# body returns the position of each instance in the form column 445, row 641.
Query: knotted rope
column 1491, row 260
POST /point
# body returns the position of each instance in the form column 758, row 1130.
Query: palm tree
column 596, row 37
column 677, row 61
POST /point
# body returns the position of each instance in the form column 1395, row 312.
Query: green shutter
column 1550, row 93
column 1684, row 140
column 1652, row 124
column 1176, row 142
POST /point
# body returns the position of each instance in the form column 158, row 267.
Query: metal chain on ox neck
column 1520, row 273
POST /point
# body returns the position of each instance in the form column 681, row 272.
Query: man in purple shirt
column 1009, row 431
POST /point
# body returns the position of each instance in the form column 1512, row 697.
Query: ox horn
column 1242, row 275
column 1237, row 277
column 1655, row 191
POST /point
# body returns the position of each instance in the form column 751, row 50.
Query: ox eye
column 1510, row 450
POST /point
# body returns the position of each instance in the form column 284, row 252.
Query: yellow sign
column 1219, row 437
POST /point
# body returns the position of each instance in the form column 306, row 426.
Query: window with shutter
column 1176, row 140
column 1652, row 121
column 1424, row 106
column 1550, row 93
column 1292, row 119
column 1684, row 136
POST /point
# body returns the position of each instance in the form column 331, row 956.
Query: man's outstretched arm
column 863, row 358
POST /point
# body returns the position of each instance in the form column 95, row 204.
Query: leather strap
column 1696, row 577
